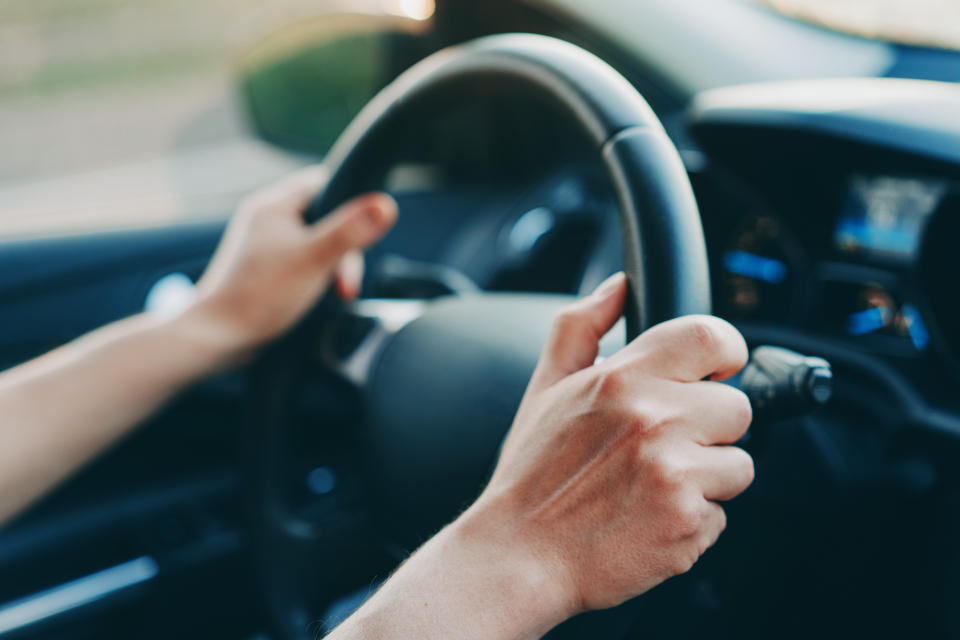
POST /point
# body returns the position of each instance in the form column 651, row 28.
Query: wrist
column 532, row 594
column 468, row 582
column 215, row 339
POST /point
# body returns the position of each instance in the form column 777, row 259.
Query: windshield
column 117, row 113
column 922, row 22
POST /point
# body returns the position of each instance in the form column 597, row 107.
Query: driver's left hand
column 271, row 266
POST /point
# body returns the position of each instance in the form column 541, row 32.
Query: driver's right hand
column 612, row 473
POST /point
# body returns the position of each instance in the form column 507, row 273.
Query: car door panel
column 167, row 497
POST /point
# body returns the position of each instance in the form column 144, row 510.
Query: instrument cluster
column 874, row 269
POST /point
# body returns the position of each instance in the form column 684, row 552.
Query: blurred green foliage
column 54, row 46
column 304, row 100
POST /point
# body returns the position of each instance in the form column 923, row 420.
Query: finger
column 576, row 332
column 353, row 226
column 294, row 193
column 714, row 524
column 305, row 184
column 723, row 472
column 689, row 348
column 349, row 276
column 719, row 413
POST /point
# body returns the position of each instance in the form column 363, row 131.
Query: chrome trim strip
column 75, row 594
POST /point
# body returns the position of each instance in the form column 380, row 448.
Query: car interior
column 270, row 501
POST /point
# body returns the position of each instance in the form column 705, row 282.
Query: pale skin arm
column 59, row 411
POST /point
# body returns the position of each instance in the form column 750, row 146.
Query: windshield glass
column 117, row 113
column 933, row 23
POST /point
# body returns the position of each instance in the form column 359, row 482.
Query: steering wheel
column 441, row 380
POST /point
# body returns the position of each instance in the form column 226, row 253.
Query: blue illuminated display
column 878, row 318
column 918, row 331
column 754, row 266
column 885, row 215
column 868, row 321
column 860, row 233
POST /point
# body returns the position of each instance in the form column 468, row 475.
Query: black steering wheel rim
column 664, row 251
column 662, row 234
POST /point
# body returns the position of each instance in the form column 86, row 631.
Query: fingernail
column 609, row 285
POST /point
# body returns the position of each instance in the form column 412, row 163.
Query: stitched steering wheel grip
column 663, row 246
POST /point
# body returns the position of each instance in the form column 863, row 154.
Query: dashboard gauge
column 758, row 268
column 883, row 216
column 870, row 312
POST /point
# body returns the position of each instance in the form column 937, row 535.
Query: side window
column 116, row 113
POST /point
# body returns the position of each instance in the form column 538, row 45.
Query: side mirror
column 304, row 84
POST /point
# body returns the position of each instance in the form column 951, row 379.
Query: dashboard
column 837, row 218
column 851, row 273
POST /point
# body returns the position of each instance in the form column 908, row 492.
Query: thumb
column 354, row 225
column 576, row 332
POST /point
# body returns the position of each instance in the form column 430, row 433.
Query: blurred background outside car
column 117, row 113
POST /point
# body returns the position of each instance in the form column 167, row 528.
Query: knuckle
column 569, row 321
column 721, row 524
column 711, row 534
column 683, row 560
column 642, row 427
column 669, row 472
column 340, row 234
column 740, row 408
column 340, row 239
column 642, row 424
column 611, row 382
column 703, row 334
column 688, row 519
column 746, row 467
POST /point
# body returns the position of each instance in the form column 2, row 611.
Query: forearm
column 270, row 268
column 466, row 583
column 60, row 410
